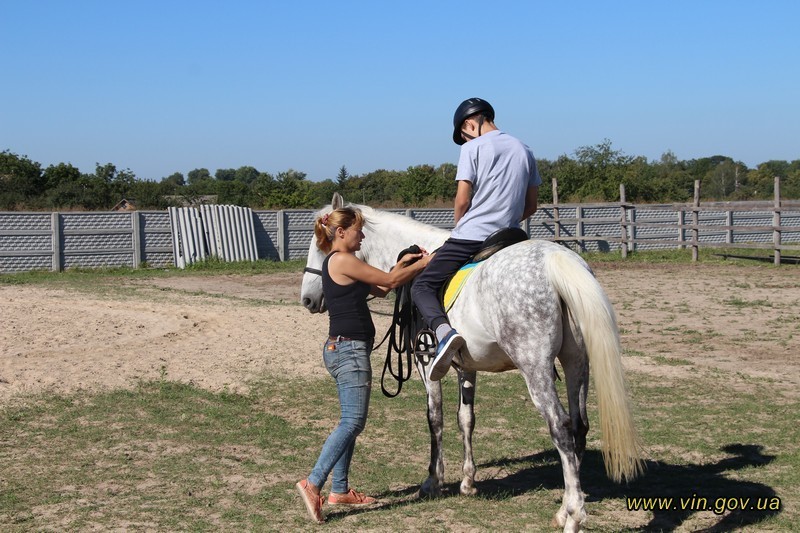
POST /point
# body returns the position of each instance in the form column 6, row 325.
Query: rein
column 400, row 335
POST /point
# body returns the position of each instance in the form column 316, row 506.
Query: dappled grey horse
column 522, row 308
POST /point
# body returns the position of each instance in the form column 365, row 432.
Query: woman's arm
column 382, row 290
column 349, row 266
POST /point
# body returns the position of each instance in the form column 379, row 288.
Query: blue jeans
column 348, row 362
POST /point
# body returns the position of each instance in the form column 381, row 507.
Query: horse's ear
column 338, row 201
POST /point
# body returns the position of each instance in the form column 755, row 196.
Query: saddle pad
column 456, row 283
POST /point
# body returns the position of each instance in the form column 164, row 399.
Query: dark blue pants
column 452, row 255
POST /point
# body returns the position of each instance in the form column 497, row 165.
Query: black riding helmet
column 469, row 107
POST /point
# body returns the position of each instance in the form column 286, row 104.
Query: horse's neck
column 387, row 234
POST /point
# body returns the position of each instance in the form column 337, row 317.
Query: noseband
column 313, row 271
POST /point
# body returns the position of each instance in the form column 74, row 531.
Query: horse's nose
column 307, row 303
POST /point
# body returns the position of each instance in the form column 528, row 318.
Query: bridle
column 313, row 271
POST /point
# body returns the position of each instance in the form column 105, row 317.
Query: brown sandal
column 313, row 501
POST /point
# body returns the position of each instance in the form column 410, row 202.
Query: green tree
column 322, row 192
column 246, row 175
column 152, row 194
column 342, row 177
column 21, row 181
column 761, row 180
column 381, row 188
column 199, row 177
column 262, row 190
column 291, row 191
column 418, row 185
column 722, row 180
column 175, row 179
column 234, row 193
column 676, row 182
column 444, row 186
column 225, row 174
column 74, row 190
column 64, row 186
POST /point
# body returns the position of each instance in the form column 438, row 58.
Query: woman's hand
column 410, row 258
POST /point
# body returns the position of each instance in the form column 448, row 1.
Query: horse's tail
column 594, row 315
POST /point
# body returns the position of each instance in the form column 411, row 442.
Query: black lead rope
column 405, row 322
column 400, row 344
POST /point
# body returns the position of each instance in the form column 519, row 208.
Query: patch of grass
column 169, row 456
column 78, row 277
column 739, row 303
column 678, row 256
column 671, row 361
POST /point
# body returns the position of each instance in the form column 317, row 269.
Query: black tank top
column 347, row 307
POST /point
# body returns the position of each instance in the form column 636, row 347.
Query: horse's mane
column 374, row 217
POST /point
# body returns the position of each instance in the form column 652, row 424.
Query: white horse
column 525, row 306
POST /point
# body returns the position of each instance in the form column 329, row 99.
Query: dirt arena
column 223, row 332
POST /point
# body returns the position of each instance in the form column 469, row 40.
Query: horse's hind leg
column 466, row 423
column 575, row 362
column 432, row 486
column 541, row 386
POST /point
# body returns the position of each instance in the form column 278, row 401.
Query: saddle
column 494, row 243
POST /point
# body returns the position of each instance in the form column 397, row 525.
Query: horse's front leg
column 466, row 423
column 433, row 485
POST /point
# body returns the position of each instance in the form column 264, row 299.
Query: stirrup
column 425, row 346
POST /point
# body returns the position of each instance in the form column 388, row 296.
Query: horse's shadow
column 688, row 485
column 685, row 484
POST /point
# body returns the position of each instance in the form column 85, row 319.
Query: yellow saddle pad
column 456, row 283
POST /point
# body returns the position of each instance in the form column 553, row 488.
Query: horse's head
column 311, row 289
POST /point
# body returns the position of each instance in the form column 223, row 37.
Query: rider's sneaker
column 448, row 346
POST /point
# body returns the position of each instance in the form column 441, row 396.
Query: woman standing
column 346, row 283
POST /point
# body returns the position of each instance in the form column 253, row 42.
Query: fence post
column 283, row 237
column 56, row 226
column 696, row 221
column 579, row 228
column 729, row 223
column 776, row 222
column 681, row 223
column 556, row 219
column 623, row 221
column 136, row 228
column 631, row 214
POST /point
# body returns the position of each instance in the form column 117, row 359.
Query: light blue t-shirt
column 500, row 168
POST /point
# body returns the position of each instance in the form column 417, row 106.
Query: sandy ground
column 226, row 331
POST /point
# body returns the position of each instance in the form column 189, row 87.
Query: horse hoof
column 429, row 490
column 468, row 490
column 563, row 520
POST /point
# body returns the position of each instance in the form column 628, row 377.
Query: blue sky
column 170, row 86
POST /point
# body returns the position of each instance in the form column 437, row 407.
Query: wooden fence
column 686, row 221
